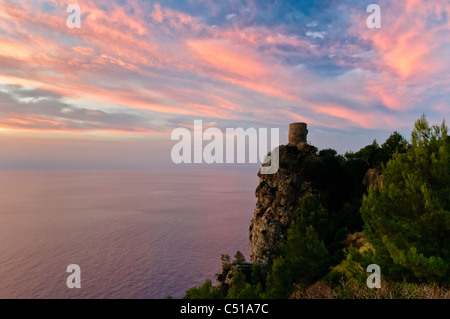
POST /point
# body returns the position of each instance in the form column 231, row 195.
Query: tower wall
column 298, row 133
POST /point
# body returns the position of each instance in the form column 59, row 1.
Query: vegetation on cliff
column 400, row 222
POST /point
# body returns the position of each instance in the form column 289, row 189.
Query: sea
column 135, row 234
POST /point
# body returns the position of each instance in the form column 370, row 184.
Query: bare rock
column 373, row 175
column 278, row 197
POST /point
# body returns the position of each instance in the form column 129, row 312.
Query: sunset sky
column 110, row 93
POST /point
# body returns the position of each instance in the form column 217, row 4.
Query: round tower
column 298, row 133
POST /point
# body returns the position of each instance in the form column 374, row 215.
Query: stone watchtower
column 298, row 133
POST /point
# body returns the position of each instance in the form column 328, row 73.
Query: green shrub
column 205, row 291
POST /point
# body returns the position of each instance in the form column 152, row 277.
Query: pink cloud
column 365, row 120
column 407, row 51
column 165, row 61
column 240, row 65
column 113, row 38
column 157, row 14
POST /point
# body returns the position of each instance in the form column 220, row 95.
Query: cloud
column 315, row 35
column 41, row 110
column 409, row 55
column 312, row 24
column 166, row 63
column 230, row 16
column 157, row 14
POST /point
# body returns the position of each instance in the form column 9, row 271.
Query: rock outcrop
column 373, row 175
column 278, row 197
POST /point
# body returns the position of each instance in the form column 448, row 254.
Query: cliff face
column 278, row 197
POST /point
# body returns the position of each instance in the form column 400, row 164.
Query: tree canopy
column 407, row 219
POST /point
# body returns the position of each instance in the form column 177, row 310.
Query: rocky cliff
column 338, row 183
column 278, row 197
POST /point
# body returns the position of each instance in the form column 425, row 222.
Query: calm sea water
column 135, row 234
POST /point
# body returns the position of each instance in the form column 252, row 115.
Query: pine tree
column 407, row 218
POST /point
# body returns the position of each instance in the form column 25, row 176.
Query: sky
column 109, row 94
